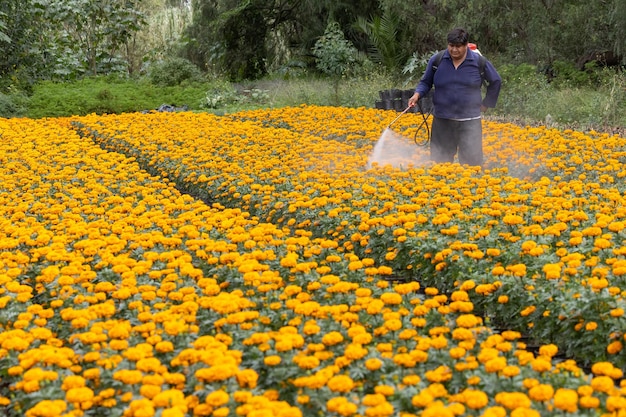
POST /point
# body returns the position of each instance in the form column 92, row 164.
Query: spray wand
column 394, row 120
column 423, row 124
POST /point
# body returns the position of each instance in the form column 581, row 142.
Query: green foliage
column 223, row 95
column 13, row 105
column 526, row 96
column 3, row 36
column 335, row 56
column 593, row 99
column 110, row 95
column 565, row 74
column 95, row 32
column 174, row 71
column 382, row 33
column 415, row 66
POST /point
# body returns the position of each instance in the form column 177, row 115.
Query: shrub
column 174, row 71
column 13, row 105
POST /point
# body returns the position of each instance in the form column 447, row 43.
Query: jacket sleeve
column 426, row 82
column 494, row 82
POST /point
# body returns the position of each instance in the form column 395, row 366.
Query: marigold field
column 255, row 264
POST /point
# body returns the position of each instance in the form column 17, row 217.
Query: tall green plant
column 382, row 33
column 618, row 19
column 3, row 36
column 335, row 56
column 22, row 60
column 87, row 36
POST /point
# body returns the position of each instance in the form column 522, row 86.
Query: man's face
column 457, row 50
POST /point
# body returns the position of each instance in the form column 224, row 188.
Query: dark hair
column 458, row 36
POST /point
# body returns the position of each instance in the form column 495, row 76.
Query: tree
column 22, row 59
column 335, row 55
column 385, row 47
column 618, row 19
column 244, row 38
column 90, row 34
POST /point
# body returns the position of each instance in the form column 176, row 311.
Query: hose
column 423, row 124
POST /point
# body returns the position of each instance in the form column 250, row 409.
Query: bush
column 105, row 95
column 13, row 105
column 224, row 94
column 175, row 71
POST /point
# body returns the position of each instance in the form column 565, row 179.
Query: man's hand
column 413, row 100
column 483, row 108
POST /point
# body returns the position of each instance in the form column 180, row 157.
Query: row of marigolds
column 121, row 296
column 541, row 253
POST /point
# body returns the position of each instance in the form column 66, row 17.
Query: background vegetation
column 561, row 61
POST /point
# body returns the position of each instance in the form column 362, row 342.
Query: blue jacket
column 458, row 92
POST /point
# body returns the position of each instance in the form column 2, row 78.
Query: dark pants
column 450, row 136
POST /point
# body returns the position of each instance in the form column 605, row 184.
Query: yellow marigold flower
column 495, row 364
column 468, row 321
column 614, row 347
column 548, row 350
column 128, row 376
column 341, row 383
column 616, row 404
column 496, row 411
column 475, row 399
column 355, row 351
column 498, row 270
column 592, row 231
column 566, row 399
column 216, row 372
column 603, row 368
column 440, row 374
column 341, row 406
column 385, row 270
column 589, row 402
column 512, row 219
column 79, row 395
column 169, row 398
column 602, row 384
column 373, row 364
column 392, row 298
column 525, row 412
column 541, row 364
column 217, row 398
column 541, row 392
column 306, row 362
column 393, row 325
column 164, row 346
column 47, row 408
column 72, row 381
column 242, row 396
column 149, row 391
column 513, row 400
column 511, row 371
column 247, row 378
column 372, row 400
column 332, row 338
column 457, row 352
column 173, row 412
column 422, row 399
column 272, row 360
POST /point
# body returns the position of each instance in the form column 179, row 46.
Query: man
column 457, row 100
